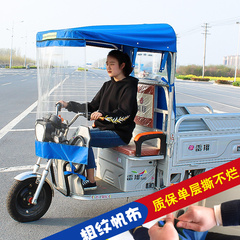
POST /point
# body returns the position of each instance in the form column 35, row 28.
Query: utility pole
column 206, row 26
column 11, row 51
column 10, row 63
column 25, row 55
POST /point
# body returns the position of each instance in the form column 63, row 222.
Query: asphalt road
column 222, row 98
column 18, row 96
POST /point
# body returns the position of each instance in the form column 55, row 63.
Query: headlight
column 43, row 131
column 40, row 132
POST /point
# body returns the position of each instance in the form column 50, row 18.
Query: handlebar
column 84, row 114
column 76, row 117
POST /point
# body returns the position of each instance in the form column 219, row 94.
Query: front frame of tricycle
column 162, row 51
column 187, row 143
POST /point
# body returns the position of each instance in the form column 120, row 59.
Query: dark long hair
column 122, row 58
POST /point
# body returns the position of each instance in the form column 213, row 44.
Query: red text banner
column 192, row 190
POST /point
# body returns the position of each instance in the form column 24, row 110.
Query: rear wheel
column 19, row 200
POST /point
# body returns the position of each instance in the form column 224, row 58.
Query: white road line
column 218, row 111
column 202, row 88
column 22, row 130
column 5, row 84
column 16, row 120
column 19, row 168
column 209, row 100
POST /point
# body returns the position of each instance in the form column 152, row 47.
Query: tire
column 19, row 196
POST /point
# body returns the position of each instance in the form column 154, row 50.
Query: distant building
column 230, row 61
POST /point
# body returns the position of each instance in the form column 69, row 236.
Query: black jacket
column 117, row 101
column 230, row 212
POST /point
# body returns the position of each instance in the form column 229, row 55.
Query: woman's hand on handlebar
column 95, row 115
column 64, row 104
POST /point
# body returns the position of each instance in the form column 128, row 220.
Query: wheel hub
column 26, row 197
column 30, row 200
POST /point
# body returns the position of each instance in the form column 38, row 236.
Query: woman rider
column 113, row 109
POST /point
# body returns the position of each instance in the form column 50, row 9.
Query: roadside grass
column 21, row 67
column 218, row 80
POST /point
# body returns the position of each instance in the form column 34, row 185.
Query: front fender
column 26, row 175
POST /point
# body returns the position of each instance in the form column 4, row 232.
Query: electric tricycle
column 171, row 142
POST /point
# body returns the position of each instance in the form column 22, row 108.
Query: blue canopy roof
column 144, row 37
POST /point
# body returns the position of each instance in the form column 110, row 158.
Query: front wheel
column 19, row 200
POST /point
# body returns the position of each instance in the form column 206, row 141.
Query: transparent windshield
column 77, row 74
column 65, row 73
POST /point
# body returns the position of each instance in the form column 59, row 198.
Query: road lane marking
column 5, row 84
column 203, row 88
column 16, row 120
column 32, row 129
column 22, row 130
column 189, row 95
column 218, row 111
column 20, row 168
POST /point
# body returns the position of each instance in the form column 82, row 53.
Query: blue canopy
column 144, row 37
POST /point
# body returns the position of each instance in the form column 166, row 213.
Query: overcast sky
column 186, row 17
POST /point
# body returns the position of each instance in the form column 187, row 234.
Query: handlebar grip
column 59, row 107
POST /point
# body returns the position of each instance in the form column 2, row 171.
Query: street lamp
column 236, row 60
column 10, row 63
